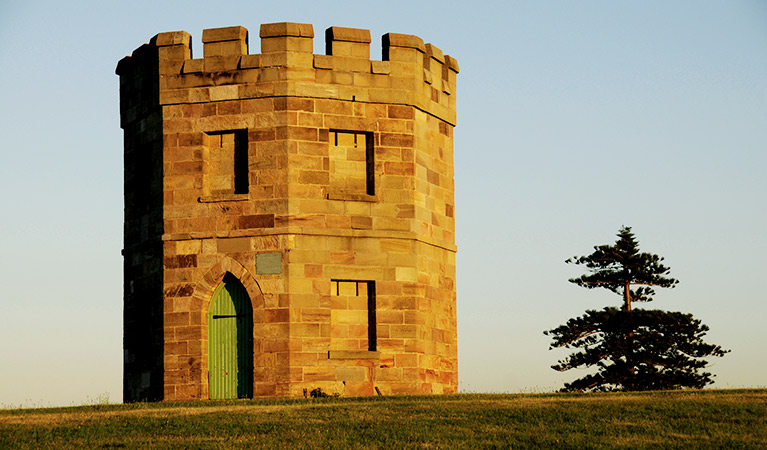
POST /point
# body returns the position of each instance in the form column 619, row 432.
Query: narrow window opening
column 372, row 342
column 370, row 164
column 225, row 168
column 240, row 162
column 353, row 315
column 352, row 166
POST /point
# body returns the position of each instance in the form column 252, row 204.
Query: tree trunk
column 627, row 295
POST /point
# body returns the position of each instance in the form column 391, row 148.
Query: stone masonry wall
column 143, row 311
column 341, row 228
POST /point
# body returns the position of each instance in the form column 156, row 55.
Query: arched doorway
column 230, row 341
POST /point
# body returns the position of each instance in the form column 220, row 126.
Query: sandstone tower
column 289, row 216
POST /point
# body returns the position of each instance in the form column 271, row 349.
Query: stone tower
column 289, row 216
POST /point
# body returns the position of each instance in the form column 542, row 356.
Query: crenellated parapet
column 409, row 73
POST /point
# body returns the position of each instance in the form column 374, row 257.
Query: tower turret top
column 409, row 72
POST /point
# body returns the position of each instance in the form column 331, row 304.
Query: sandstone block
column 172, row 38
column 380, row 67
column 236, row 33
column 351, row 374
column 286, row 29
column 232, row 245
column 319, row 374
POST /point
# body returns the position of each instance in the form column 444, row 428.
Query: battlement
column 409, row 73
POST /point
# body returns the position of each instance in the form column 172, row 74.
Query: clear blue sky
column 574, row 118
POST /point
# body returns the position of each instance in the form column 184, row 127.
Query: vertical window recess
column 353, row 315
column 351, row 163
column 225, row 166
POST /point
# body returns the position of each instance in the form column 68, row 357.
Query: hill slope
column 679, row 419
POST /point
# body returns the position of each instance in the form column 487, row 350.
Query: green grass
column 682, row 419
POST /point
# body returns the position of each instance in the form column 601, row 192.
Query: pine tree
column 633, row 349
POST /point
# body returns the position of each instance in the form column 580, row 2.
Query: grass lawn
column 681, row 419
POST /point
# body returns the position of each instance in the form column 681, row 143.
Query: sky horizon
column 573, row 120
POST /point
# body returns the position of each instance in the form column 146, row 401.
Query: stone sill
column 352, row 197
column 223, row 198
column 353, row 354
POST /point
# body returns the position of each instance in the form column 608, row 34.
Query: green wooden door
column 230, row 341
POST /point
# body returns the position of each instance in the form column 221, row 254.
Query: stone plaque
column 269, row 263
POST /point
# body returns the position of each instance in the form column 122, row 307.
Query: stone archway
column 230, row 341
column 203, row 293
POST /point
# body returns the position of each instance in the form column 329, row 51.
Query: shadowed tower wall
column 316, row 188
